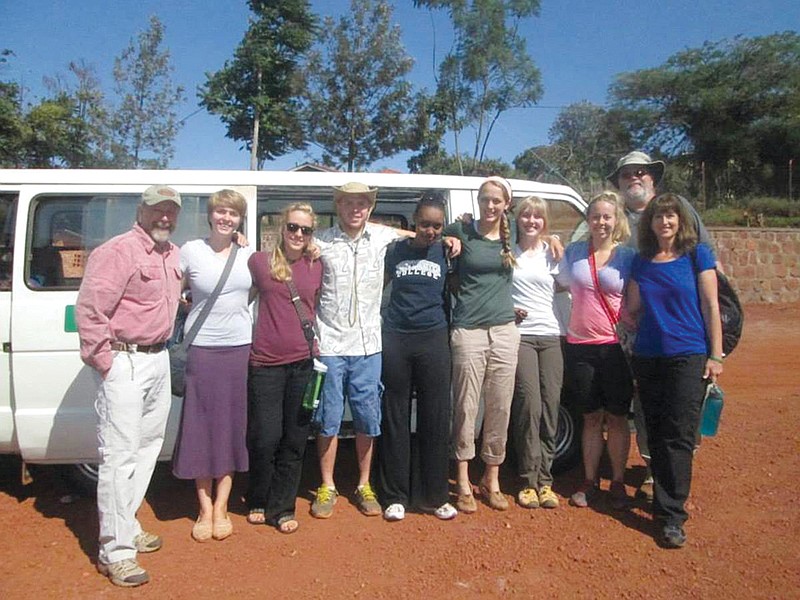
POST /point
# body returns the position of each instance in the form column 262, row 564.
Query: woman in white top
column 540, row 365
column 211, row 442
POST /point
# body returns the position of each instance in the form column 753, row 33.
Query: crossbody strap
column 198, row 322
column 307, row 325
column 603, row 300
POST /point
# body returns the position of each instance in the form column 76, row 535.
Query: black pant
column 418, row 361
column 671, row 390
column 277, row 434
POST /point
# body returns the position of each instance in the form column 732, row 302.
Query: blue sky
column 579, row 46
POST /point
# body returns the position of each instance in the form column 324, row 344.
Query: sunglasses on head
column 635, row 173
column 294, row 228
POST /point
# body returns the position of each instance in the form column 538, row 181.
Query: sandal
column 495, row 500
column 256, row 516
column 223, row 528
column 287, row 524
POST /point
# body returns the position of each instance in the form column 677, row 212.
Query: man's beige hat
column 160, row 193
column 637, row 157
column 354, row 188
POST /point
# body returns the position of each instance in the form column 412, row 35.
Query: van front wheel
column 82, row 477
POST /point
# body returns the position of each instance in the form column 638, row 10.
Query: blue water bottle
column 712, row 409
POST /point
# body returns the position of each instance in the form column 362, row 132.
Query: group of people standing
column 472, row 314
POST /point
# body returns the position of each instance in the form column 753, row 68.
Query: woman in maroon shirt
column 280, row 367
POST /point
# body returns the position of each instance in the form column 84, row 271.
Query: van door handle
column 7, row 347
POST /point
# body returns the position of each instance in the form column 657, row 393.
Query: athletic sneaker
column 147, row 542
column 547, row 497
column 673, row 536
column 446, row 512
column 322, row 507
column 367, row 501
column 124, row 573
column 528, row 498
column 394, row 512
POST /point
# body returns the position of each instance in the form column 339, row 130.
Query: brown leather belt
column 145, row 349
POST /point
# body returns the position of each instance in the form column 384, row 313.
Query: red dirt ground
column 743, row 532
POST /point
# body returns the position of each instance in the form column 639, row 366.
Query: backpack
column 730, row 309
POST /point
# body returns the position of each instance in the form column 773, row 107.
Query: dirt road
column 744, row 532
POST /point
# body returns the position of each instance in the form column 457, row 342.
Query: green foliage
column 442, row 163
column 145, row 124
column 755, row 212
column 733, row 105
column 359, row 105
column 256, row 94
column 486, row 72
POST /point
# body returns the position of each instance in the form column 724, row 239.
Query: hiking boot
column 367, row 501
column 322, row 507
column 124, row 573
column 547, row 497
column 673, row 536
column 528, row 498
column 147, row 542
column 585, row 493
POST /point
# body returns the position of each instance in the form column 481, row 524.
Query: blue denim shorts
column 359, row 379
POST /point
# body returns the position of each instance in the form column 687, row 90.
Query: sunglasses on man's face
column 635, row 173
column 295, row 227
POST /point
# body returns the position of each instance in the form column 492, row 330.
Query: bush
column 777, row 212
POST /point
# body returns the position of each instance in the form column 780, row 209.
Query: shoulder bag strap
column 198, row 322
column 603, row 300
column 307, row 325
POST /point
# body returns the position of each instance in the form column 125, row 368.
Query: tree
column 11, row 119
column 732, row 105
column 358, row 102
column 89, row 122
column 145, row 124
column 255, row 94
column 487, row 71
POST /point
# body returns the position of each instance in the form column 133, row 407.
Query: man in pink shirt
column 125, row 312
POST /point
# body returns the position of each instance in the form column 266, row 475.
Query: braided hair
column 507, row 254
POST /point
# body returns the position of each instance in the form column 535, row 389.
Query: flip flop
column 256, row 516
column 287, row 524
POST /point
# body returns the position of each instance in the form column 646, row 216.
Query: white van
column 51, row 219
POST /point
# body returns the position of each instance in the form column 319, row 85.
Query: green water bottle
column 314, row 386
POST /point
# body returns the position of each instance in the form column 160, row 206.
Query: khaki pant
column 484, row 359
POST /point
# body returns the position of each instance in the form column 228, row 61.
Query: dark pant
column 534, row 411
column 277, row 434
column 671, row 390
column 418, row 361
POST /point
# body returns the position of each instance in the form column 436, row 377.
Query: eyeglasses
column 635, row 173
column 294, row 228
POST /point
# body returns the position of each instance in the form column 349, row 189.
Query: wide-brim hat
column 156, row 194
column 354, row 188
column 637, row 157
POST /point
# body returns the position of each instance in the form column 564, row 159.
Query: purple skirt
column 212, row 437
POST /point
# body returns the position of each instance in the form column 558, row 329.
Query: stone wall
column 763, row 264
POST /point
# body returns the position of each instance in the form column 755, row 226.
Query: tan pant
column 484, row 359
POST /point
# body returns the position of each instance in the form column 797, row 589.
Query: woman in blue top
column 416, row 356
column 678, row 347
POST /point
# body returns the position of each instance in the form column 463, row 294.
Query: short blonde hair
column 536, row 205
column 228, row 199
column 622, row 231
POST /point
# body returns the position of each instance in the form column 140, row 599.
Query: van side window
column 8, row 205
column 566, row 221
column 393, row 208
column 66, row 228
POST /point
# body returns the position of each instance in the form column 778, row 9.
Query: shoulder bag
column 178, row 352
